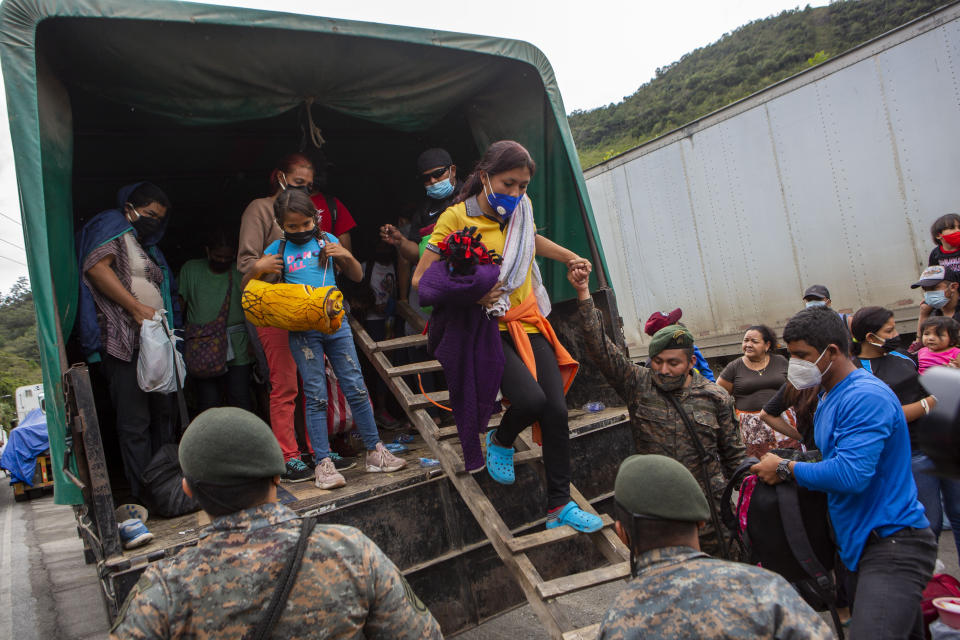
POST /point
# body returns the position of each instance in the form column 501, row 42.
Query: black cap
column 433, row 158
column 817, row 291
column 932, row 276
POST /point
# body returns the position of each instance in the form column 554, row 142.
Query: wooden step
column 414, row 368
column 401, row 343
column 420, row 401
column 548, row 536
column 585, row 633
column 579, row 581
column 447, row 432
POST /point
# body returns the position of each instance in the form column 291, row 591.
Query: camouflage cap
column 674, row 336
column 660, row 487
column 226, row 445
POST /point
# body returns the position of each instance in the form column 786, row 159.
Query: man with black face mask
column 657, row 395
column 210, row 290
column 125, row 280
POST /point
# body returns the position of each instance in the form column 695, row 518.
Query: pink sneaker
column 326, row 475
column 380, row 459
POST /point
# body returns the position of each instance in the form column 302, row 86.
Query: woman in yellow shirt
column 537, row 369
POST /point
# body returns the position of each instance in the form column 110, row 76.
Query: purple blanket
column 467, row 344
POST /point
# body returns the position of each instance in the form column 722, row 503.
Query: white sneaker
column 380, row 459
column 326, row 475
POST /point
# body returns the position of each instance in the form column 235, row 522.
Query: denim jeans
column 888, row 585
column 308, row 349
column 930, row 490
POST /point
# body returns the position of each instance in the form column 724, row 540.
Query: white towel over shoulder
column 518, row 253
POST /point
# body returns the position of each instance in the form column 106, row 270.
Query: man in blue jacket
column 880, row 527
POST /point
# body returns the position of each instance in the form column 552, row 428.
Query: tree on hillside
column 18, row 322
column 19, row 354
column 754, row 56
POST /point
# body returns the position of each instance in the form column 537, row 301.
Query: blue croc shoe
column 499, row 461
column 577, row 518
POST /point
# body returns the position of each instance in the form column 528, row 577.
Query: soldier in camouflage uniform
column 345, row 588
column 657, row 427
column 679, row 593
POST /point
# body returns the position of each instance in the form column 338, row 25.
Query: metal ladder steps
column 520, row 544
column 579, row 581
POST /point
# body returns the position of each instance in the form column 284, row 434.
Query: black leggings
column 540, row 401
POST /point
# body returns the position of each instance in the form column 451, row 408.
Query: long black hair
column 501, row 156
column 867, row 320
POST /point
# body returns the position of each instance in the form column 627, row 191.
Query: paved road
column 46, row 590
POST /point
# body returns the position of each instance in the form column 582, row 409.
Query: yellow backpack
column 293, row 307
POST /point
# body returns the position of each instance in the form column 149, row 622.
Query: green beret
column 673, row 337
column 660, row 487
column 226, row 445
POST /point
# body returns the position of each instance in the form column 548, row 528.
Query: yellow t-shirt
column 456, row 218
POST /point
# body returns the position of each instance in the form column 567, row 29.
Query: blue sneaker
column 499, row 461
column 133, row 533
column 575, row 517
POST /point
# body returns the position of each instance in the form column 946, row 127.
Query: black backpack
column 787, row 530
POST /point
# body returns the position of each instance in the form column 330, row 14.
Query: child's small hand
column 269, row 263
column 334, row 250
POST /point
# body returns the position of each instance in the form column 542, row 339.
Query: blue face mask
column 816, row 303
column 440, row 190
column 502, row 203
column 936, row 299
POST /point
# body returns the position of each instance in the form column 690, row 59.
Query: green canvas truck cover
column 196, row 65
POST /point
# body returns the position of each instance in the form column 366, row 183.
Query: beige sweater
column 258, row 228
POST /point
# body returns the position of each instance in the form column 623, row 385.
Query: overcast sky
column 601, row 51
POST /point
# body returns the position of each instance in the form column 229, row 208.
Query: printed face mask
column 936, row 299
column 440, row 190
column 501, row 202
column 803, row 374
column 816, row 303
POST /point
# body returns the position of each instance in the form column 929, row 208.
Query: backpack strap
column 284, row 585
column 283, row 269
column 789, row 503
column 332, row 207
column 704, row 459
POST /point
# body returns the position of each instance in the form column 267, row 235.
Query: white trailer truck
column 830, row 177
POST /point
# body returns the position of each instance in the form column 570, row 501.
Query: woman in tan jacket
column 258, row 228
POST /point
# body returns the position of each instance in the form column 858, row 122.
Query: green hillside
column 754, row 56
column 19, row 354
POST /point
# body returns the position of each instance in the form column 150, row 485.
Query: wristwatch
column 783, row 470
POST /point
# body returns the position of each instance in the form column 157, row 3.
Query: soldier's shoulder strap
column 287, row 578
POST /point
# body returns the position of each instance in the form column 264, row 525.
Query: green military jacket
column 683, row 594
column 658, row 428
column 346, row 587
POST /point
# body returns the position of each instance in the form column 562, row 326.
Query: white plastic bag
column 158, row 353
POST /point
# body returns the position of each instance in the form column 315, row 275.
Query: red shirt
column 344, row 219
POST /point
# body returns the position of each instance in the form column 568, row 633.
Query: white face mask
column 803, row 374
